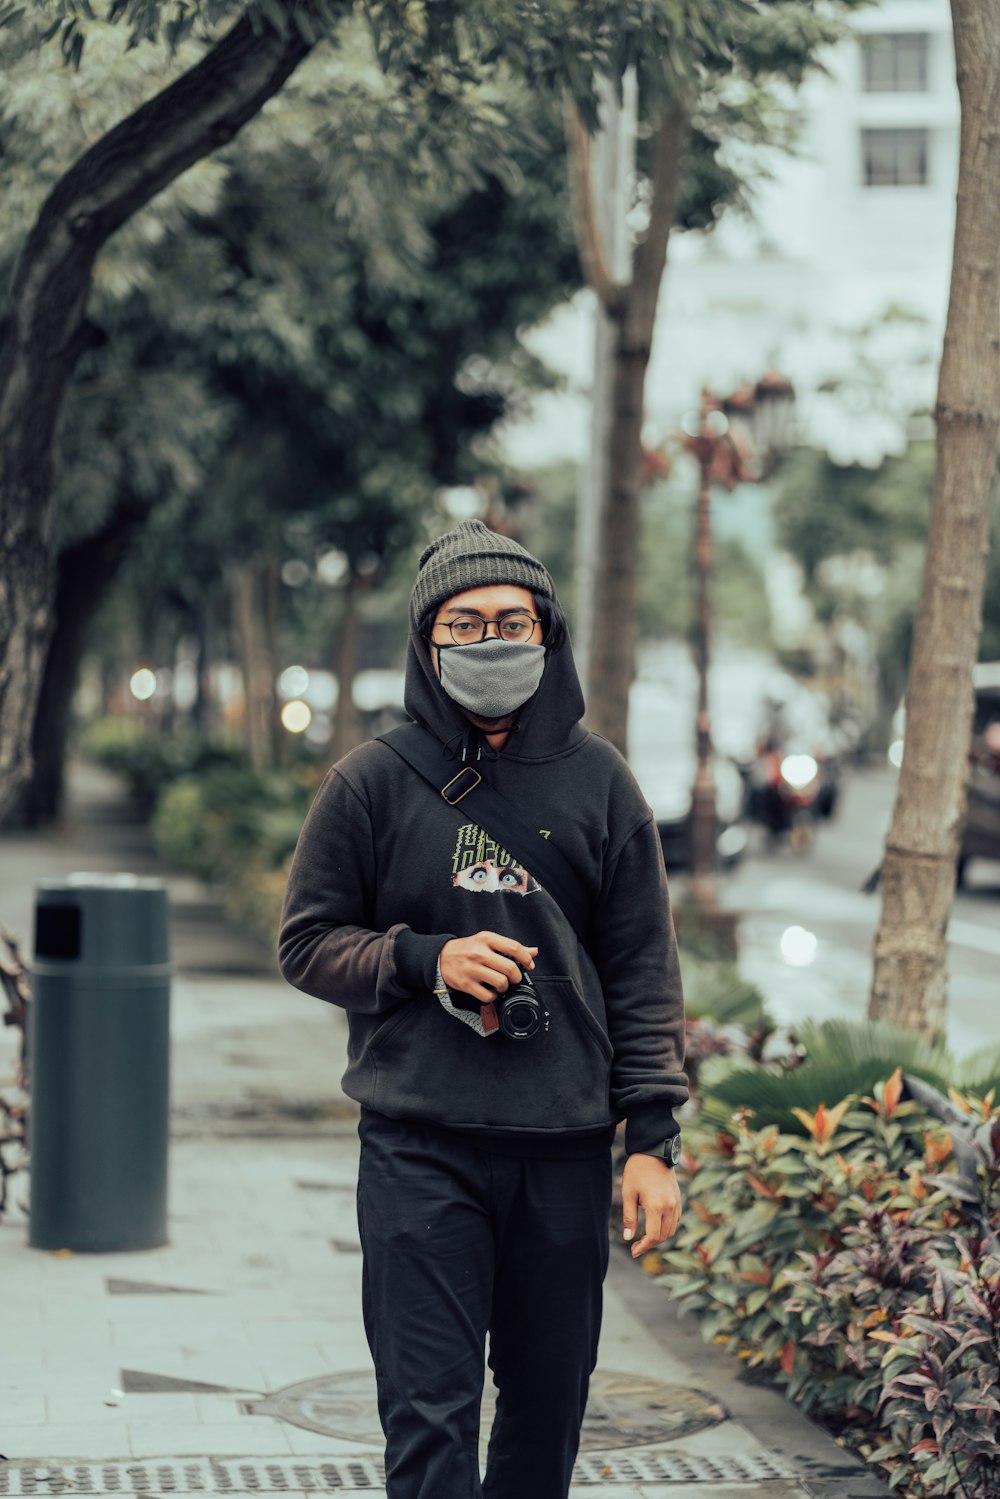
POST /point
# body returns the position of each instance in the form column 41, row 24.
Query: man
column 484, row 1183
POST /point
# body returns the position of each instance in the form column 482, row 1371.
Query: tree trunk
column 85, row 572
column 612, row 651
column 909, row 985
column 258, row 700
column 272, row 615
column 633, row 308
column 346, row 725
column 203, row 719
column 46, row 329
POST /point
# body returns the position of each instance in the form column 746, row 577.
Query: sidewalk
column 234, row 1359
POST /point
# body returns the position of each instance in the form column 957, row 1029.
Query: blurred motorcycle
column 784, row 792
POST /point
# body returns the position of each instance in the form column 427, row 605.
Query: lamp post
column 735, row 441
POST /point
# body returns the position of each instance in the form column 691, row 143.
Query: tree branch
column 119, row 174
column 590, row 242
column 650, row 256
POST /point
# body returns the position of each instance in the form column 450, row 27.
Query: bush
column 236, row 829
column 950, row 1380
column 147, row 761
column 857, row 1262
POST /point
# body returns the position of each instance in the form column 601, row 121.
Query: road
column 820, row 892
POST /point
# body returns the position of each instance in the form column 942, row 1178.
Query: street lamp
column 735, row 441
column 773, row 419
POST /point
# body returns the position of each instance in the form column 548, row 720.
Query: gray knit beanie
column 473, row 556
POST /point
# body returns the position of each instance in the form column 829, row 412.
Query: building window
column 895, row 64
column 894, row 158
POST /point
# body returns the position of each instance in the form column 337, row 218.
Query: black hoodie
column 386, row 872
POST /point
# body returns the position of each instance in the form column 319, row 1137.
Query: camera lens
column 520, row 1015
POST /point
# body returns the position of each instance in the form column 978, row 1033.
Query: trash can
column 99, row 1064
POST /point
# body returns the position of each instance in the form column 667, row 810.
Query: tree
column 713, row 91
column 310, row 354
column 909, row 983
column 438, row 51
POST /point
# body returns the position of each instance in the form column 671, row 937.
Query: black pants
column 459, row 1242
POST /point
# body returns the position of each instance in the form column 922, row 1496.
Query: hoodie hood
column 547, row 726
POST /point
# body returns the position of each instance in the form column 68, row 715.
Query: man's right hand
column 485, row 965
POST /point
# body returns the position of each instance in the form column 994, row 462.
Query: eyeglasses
column 470, row 629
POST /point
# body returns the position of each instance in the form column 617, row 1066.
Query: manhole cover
column 624, row 1410
column 240, row 1476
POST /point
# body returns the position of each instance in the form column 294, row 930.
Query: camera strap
column 467, row 790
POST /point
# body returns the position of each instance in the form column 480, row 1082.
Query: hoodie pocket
column 428, row 1065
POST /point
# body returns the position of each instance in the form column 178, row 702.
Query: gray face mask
column 493, row 678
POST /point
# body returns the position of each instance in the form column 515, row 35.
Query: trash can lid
column 109, row 920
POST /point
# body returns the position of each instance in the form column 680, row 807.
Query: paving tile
column 78, row 1368
column 79, row 1440
column 225, row 1368
column 25, row 1311
column 158, row 1334
column 93, row 1406
column 349, row 1350
column 285, row 1368
column 300, row 1304
column 90, row 1334
column 14, row 1359
column 311, row 1443
column 729, row 1437
column 244, row 1438
column 62, row 1296
column 83, row 1309
column 20, row 1409
column 68, row 1268
column 274, row 1334
column 37, row 1380
column 184, row 1312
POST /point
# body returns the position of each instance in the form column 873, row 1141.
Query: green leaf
column 753, row 1225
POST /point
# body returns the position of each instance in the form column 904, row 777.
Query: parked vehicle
column 753, row 703
column 981, row 828
column 662, row 756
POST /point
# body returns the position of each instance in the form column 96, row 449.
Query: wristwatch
column 668, row 1150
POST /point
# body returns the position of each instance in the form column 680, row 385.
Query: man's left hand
column 650, row 1184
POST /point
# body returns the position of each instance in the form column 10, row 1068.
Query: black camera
column 519, row 1010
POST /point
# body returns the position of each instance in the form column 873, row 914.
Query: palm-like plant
column 842, row 1057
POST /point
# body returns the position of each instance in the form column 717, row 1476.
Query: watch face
column 674, row 1151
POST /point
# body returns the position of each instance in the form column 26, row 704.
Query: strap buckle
column 466, row 770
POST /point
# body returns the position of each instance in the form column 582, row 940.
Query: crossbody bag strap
column 465, row 787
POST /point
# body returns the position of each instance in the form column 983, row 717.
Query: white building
column 841, row 280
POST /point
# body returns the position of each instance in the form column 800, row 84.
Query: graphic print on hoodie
column 483, row 866
column 384, row 875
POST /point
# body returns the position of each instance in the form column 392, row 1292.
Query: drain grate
column 344, row 1475
column 208, row 1476
column 677, row 1467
